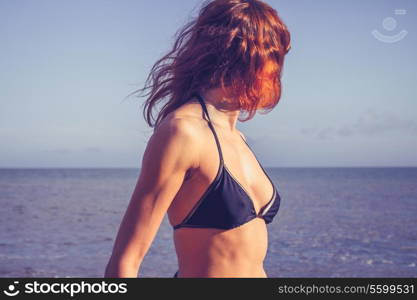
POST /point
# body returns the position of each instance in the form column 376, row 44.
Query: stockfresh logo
column 12, row 290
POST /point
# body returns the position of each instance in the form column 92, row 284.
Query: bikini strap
column 203, row 104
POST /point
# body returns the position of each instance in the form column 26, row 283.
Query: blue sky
column 349, row 99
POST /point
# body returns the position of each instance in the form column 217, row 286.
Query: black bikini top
column 225, row 204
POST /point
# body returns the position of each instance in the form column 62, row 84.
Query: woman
column 197, row 166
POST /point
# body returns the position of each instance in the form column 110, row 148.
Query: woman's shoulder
column 186, row 118
column 181, row 123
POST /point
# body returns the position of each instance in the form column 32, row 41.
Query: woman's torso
column 214, row 252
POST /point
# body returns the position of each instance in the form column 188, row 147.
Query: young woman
column 197, row 166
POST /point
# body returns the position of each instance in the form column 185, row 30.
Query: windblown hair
column 236, row 45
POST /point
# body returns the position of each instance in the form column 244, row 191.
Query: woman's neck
column 222, row 111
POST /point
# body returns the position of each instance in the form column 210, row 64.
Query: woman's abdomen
column 208, row 252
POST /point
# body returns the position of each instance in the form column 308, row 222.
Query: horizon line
column 269, row 167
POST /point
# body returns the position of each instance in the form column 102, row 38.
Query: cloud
column 344, row 131
column 372, row 122
column 92, row 149
column 369, row 123
column 69, row 151
column 60, row 151
column 325, row 133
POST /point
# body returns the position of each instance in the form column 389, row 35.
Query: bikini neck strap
column 203, row 104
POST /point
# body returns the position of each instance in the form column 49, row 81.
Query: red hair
column 236, row 45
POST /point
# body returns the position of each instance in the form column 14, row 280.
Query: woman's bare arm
column 170, row 152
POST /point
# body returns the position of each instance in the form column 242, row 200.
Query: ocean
column 332, row 222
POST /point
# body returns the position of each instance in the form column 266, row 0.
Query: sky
column 349, row 83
